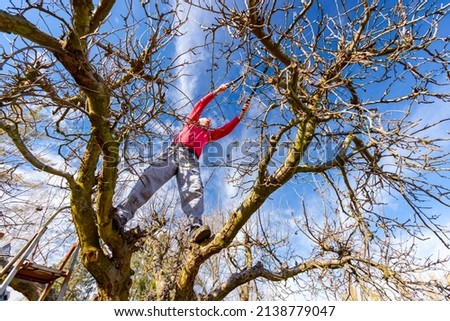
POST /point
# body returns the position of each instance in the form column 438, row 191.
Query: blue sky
column 198, row 81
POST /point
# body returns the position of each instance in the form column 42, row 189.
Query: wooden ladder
column 22, row 268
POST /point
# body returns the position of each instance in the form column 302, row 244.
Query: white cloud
column 432, row 116
column 196, row 60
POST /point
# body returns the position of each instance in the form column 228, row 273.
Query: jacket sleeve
column 224, row 130
column 194, row 116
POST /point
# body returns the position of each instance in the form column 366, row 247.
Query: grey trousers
column 178, row 161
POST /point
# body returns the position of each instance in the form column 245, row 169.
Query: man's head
column 205, row 122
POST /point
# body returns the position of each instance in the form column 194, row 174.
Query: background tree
column 337, row 96
column 78, row 80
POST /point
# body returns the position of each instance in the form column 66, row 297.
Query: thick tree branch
column 82, row 13
column 22, row 27
column 101, row 12
column 13, row 133
column 258, row 270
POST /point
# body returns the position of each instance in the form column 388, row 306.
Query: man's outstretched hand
column 221, row 88
column 244, row 109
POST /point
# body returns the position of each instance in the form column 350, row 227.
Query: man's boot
column 118, row 220
column 200, row 233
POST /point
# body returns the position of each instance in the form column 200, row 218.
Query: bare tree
column 340, row 90
column 336, row 92
column 79, row 80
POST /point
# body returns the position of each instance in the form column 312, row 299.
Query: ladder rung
column 30, row 271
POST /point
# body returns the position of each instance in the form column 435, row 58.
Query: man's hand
column 244, row 109
column 221, row 89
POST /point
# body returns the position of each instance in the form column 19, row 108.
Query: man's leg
column 191, row 194
column 155, row 175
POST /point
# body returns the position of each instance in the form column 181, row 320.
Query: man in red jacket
column 180, row 160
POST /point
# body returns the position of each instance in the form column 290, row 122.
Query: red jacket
column 196, row 137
